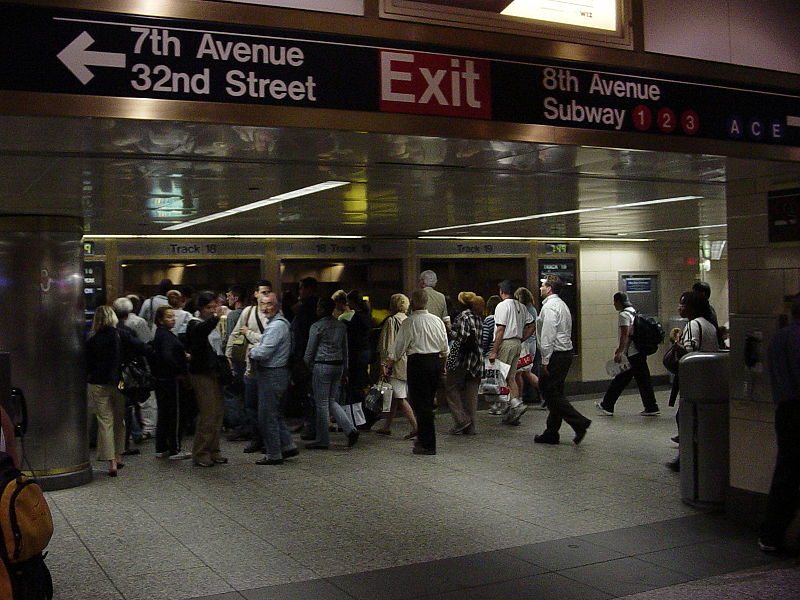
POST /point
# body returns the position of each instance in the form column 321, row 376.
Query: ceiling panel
column 137, row 177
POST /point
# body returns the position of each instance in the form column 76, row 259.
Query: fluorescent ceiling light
column 124, row 236
column 675, row 229
column 531, row 239
column 565, row 212
column 312, row 189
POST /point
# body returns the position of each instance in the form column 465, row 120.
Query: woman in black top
column 168, row 368
column 204, row 371
column 358, row 328
column 106, row 350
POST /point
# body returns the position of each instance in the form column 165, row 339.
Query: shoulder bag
column 240, row 344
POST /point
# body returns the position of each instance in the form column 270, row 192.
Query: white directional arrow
column 76, row 57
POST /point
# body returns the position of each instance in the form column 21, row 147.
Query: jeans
column 234, row 399
column 641, row 373
column 273, row 383
column 132, row 427
column 326, row 381
column 251, row 409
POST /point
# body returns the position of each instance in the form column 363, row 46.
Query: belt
column 329, row 362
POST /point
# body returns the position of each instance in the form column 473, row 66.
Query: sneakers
column 495, row 410
column 603, row 410
column 180, row 455
column 650, row 413
column 767, row 547
column 515, row 411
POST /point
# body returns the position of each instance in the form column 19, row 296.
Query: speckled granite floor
column 490, row 516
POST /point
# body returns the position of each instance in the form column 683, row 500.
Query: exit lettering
column 435, row 84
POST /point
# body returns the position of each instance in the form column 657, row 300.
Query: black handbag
column 224, row 372
column 673, row 356
column 135, row 380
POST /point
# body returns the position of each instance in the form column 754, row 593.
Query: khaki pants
column 210, row 412
column 509, row 353
column 107, row 403
column 462, row 395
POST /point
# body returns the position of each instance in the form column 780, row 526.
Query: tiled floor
column 490, row 516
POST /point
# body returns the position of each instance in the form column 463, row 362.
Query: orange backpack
column 26, row 527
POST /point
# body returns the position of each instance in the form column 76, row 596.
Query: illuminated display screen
column 347, row 7
column 596, row 14
column 598, row 21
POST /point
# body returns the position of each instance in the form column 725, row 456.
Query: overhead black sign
column 104, row 54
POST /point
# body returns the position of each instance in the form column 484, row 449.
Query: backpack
column 647, row 334
column 26, row 527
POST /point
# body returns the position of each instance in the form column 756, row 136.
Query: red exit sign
column 435, row 84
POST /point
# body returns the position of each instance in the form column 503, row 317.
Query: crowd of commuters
column 237, row 361
column 241, row 362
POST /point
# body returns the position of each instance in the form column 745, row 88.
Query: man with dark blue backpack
column 633, row 346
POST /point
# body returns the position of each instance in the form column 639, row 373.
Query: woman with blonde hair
column 107, row 349
column 398, row 306
column 530, row 374
column 465, row 363
column 340, row 298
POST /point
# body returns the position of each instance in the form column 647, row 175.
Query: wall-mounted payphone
column 751, row 336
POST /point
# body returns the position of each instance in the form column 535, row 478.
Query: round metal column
column 41, row 293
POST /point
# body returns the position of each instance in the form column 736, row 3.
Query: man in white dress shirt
column 423, row 338
column 554, row 334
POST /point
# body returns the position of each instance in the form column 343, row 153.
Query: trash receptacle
column 703, row 424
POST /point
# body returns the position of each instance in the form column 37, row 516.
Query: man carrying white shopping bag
column 513, row 324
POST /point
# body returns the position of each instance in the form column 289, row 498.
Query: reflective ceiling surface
column 138, row 177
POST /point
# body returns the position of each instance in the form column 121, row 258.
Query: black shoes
column 315, row 446
column 580, row 434
column 253, row 447
column 352, row 438
column 290, row 453
column 131, row 452
column 420, row 450
column 546, row 438
column 269, row 461
column 674, row 465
